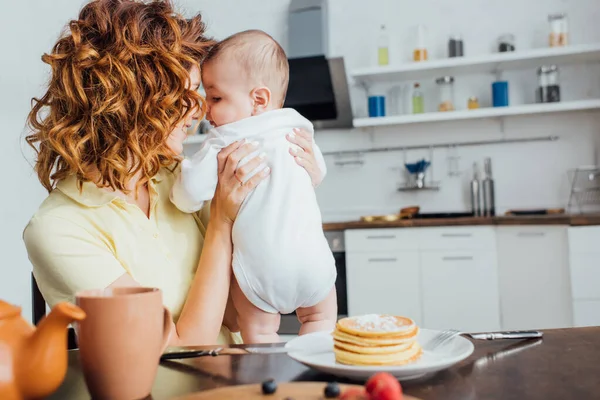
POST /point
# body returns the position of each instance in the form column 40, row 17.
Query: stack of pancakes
column 376, row 340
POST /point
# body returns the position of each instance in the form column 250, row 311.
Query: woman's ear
column 261, row 98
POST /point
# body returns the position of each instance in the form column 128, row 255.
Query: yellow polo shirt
column 88, row 239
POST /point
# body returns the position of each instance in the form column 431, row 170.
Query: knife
column 174, row 353
column 505, row 335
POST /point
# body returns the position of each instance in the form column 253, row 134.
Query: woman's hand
column 305, row 156
column 233, row 185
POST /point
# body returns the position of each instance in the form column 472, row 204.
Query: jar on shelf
column 420, row 51
column 446, row 93
column 506, row 43
column 456, row 47
column 548, row 90
column 559, row 30
column 473, row 103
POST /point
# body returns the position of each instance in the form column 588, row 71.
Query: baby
column 281, row 259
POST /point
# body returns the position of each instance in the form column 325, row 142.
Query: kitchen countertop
column 561, row 365
column 556, row 219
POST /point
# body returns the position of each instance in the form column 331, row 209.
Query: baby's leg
column 320, row 317
column 256, row 325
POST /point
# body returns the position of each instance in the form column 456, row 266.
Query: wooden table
column 565, row 364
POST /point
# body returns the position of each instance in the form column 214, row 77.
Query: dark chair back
column 39, row 311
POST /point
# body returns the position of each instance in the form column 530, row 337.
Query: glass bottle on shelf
column 559, row 30
column 383, row 43
column 418, row 106
column 420, row 51
column 446, row 93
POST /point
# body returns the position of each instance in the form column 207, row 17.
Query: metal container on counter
column 487, row 185
column 475, row 191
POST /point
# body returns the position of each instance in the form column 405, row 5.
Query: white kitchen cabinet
column 584, row 239
column 384, row 283
column 586, row 312
column 534, row 280
column 457, row 238
column 460, row 290
column 584, row 260
column 585, row 275
column 376, row 240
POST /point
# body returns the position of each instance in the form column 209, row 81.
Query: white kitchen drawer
column 533, row 264
column 458, row 238
column 585, row 276
column 460, row 291
column 374, row 240
column 586, row 313
column 384, row 283
column 584, row 239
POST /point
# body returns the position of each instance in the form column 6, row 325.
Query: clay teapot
column 33, row 361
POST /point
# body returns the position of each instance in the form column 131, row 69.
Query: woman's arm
column 201, row 319
column 202, row 315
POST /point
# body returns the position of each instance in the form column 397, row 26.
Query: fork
column 440, row 339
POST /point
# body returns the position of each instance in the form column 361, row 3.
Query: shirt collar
column 91, row 195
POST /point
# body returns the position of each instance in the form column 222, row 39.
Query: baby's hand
column 305, row 156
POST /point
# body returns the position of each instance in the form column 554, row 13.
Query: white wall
column 27, row 29
column 527, row 175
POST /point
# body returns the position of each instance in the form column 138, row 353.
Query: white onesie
column 281, row 258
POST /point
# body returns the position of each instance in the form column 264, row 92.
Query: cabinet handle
column 531, row 234
column 457, row 234
column 381, row 237
column 458, row 258
column 392, row 259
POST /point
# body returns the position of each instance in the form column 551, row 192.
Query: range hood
column 318, row 86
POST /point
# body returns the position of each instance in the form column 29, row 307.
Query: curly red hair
column 117, row 90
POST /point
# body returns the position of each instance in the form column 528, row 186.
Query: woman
column 122, row 94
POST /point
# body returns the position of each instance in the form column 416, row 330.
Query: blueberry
column 269, row 386
column 332, row 390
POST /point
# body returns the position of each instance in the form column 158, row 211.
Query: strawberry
column 355, row 394
column 383, row 386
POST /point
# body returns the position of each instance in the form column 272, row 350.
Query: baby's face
column 227, row 92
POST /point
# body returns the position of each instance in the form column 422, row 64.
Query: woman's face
column 178, row 135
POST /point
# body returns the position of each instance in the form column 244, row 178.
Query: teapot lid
column 8, row 310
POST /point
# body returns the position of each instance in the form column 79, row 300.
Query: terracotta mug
column 121, row 340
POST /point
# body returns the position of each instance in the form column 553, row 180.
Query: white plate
column 455, row 351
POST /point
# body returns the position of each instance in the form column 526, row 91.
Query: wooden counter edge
column 570, row 220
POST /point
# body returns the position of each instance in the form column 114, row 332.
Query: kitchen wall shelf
column 485, row 63
column 490, row 112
